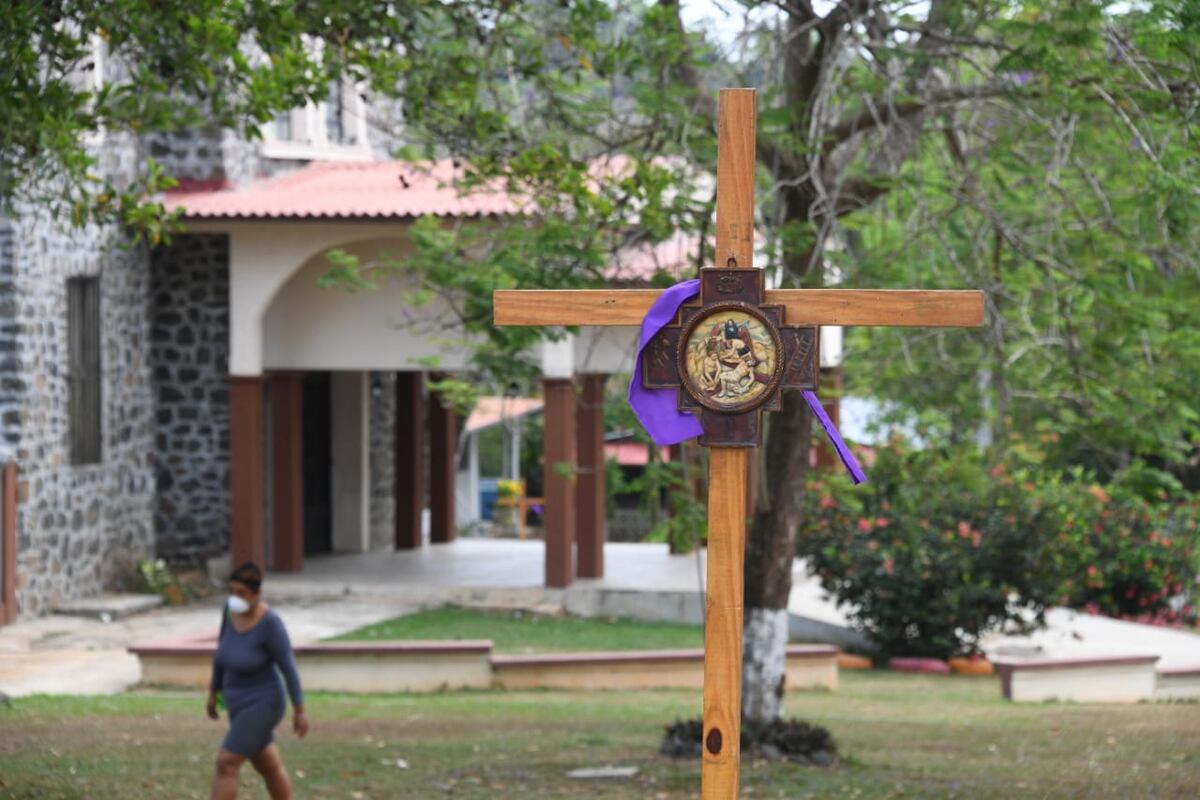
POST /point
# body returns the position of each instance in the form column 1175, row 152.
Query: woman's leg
column 270, row 765
column 225, row 781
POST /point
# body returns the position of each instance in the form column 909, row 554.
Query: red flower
column 864, row 525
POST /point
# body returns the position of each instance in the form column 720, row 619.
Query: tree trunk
column 770, row 548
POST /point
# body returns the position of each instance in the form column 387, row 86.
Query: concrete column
column 410, row 459
column 287, row 472
column 246, row 457
column 351, row 412
column 589, row 489
column 558, row 478
column 474, row 512
column 443, row 464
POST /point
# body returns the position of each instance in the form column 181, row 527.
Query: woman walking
column 251, row 645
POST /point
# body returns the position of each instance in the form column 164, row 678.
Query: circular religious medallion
column 730, row 358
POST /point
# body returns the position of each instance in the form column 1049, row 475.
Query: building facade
column 205, row 398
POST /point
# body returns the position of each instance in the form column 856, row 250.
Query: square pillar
column 287, row 472
column 246, row 462
column 443, row 463
column 8, row 543
column 410, row 459
column 589, row 489
column 350, row 403
column 558, row 477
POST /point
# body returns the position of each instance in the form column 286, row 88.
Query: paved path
column 1072, row 634
column 337, row 593
column 71, row 655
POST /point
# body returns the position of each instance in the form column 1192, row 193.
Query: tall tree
column 860, row 98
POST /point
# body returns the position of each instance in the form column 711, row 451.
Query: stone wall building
column 206, row 399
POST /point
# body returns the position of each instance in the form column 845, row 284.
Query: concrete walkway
column 72, row 655
column 1070, row 634
column 337, row 593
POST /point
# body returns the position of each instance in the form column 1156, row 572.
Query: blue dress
column 246, row 670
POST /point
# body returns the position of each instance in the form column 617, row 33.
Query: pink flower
column 976, row 539
column 864, row 525
column 827, row 501
column 964, row 529
column 889, row 565
column 881, row 522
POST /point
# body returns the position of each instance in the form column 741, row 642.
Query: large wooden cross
column 729, row 356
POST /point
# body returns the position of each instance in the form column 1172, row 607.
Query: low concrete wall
column 337, row 666
column 1114, row 679
column 1178, row 684
column 808, row 667
column 430, row 666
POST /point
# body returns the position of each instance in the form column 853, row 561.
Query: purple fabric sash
column 658, row 409
column 851, row 463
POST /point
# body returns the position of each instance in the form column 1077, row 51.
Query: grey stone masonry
column 189, row 355
column 383, row 452
column 12, row 383
column 81, row 529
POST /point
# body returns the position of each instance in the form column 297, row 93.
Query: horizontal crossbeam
column 897, row 308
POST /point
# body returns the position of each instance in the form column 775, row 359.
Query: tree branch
column 879, row 112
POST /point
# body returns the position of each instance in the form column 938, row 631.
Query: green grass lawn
column 523, row 632
column 900, row 736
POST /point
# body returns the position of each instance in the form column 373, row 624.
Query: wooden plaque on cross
column 729, row 355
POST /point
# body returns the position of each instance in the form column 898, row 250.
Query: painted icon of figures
column 731, row 357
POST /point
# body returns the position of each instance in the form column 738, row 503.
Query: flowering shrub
column 1139, row 559
column 937, row 549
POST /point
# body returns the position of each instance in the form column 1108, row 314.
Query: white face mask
column 237, row 605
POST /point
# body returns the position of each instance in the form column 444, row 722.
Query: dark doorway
column 318, row 464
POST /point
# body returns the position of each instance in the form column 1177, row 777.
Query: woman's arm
column 279, row 646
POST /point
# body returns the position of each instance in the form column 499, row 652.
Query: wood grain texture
column 900, row 308
column 735, row 178
column 727, row 471
column 246, row 469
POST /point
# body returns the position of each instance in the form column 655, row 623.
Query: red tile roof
column 346, row 190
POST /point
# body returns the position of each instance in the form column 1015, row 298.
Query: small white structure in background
column 488, row 413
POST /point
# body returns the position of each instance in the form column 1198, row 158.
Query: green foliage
column 666, row 490
column 931, row 553
column 155, row 577
column 939, row 548
column 1072, row 205
column 1138, row 557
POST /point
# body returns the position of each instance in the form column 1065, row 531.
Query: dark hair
column 249, row 574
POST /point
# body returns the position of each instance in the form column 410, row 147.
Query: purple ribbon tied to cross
column 658, row 409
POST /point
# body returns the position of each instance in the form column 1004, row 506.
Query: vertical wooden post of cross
column 727, row 473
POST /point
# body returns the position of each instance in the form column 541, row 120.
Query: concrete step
column 108, row 607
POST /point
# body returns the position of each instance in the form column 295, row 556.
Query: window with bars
column 83, row 369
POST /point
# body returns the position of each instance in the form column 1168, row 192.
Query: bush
column 939, row 548
column 1138, row 559
column 932, row 552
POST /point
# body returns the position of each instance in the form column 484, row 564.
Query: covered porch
column 336, row 443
